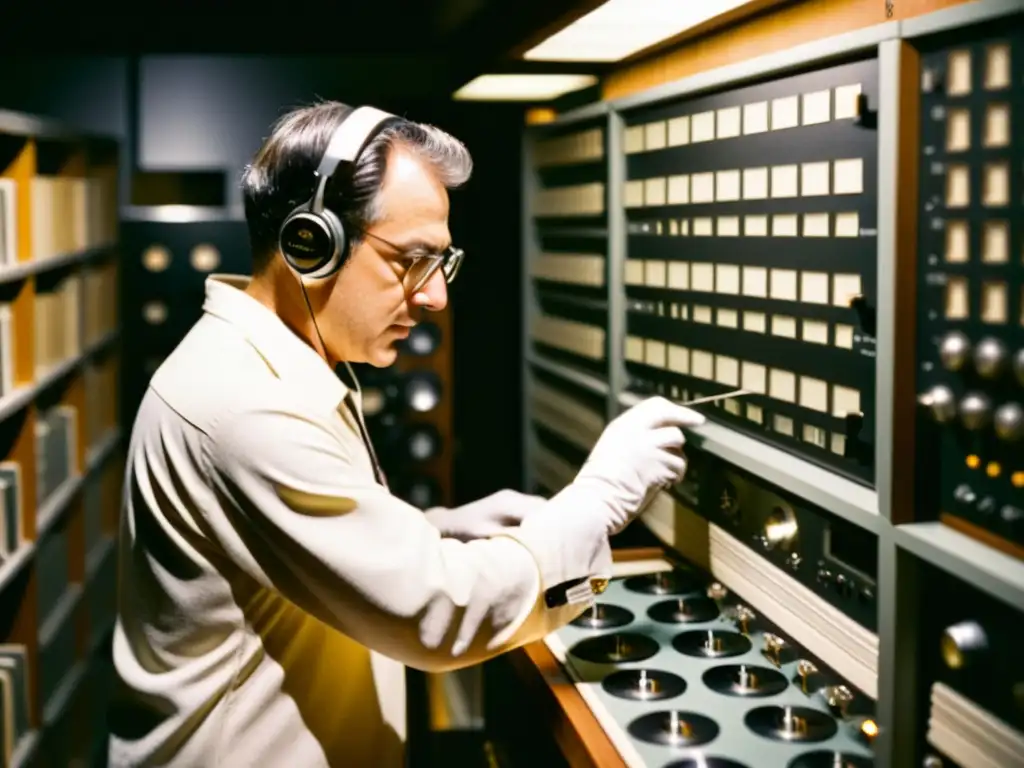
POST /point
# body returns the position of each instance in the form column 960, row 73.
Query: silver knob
column 975, row 410
column 941, row 401
column 954, row 350
column 962, row 643
column 989, row 356
column 932, row 761
column 1009, row 422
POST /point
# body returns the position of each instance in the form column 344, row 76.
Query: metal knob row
column 990, row 356
column 975, row 410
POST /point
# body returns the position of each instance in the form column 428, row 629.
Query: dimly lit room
column 550, row 384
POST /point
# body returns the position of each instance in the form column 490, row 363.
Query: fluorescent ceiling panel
column 521, row 87
column 620, row 28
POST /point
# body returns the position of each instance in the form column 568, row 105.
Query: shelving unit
column 59, row 434
column 875, row 502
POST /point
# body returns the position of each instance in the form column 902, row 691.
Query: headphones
column 312, row 238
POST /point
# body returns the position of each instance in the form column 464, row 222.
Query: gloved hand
column 638, row 454
column 486, row 517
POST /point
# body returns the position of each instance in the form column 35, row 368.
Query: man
column 270, row 586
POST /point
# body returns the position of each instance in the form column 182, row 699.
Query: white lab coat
column 260, row 561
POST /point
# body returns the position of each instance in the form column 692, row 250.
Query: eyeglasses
column 422, row 265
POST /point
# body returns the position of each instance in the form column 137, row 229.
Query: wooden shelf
column 59, row 433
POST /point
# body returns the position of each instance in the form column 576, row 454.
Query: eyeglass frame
column 448, row 261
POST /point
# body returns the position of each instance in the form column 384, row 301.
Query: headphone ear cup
column 309, row 243
column 339, row 251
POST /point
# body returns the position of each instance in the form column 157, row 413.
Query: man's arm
column 300, row 520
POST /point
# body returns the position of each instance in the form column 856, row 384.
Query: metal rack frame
column 902, row 548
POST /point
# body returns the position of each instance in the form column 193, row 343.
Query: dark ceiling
column 465, row 37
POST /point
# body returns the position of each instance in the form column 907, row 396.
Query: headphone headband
column 312, row 239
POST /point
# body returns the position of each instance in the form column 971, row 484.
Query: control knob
column 954, row 350
column 962, row 643
column 989, row 356
column 1009, row 422
column 941, row 401
column 975, row 410
column 1018, row 366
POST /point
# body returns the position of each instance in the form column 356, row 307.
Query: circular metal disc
column 687, row 729
column 791, row 723
column 663, row 583
column 746, row 680
column 711, row 643
column 615, row 648
column 707, row 762
column 684, row 610
column 644, row 684
column 603, row 616
column 826, row 759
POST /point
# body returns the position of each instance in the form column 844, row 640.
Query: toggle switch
column 865, row 313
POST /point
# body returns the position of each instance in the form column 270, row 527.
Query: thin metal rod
column 713, row 398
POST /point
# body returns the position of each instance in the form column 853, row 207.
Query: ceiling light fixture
column 620, row 28
column 521, row 87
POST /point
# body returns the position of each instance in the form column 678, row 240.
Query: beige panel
column 702, row 364
column 782, row 424
column 755, row 183
column 755, row 226
column 634, row 193
column 727, row 278
column 633, row 139
column 958, row 73
column 678, row 359
column 814, row 179
column 783, row 284
column 817, row 107
column 844, row 336
column 846, row 101
column 755, row 322
column 997, row 67
column 996, row 184
column 957, row 242
column 679, row 189
column 994, row 302
column 728, row 226
column 655, row 274
column 848, row 176
column 656, row 135
column 654, row 353
column 702, row 127
column 727, row 318
column 995, row 242
column 844, row 401
column 785, row 225
column 727, row 371
column 958, row 130
column 702, row 187
column 784, row 325
column 782, row 385
column 727, row 186
column 845, row 288
column 679, row 131
column 634, row 349
column 997, row 125
column 755, row 377
column 816, row 225
column 702, row 314
column 784, row 181
column 814, row 287
column 702, row 277
column 655, row 191
column 848, row 224
column 703, row 226
column 785, row 112
column 814, row 394
column 815, row 331
column 958, row 186
column 755, row 117
column 728, row 123
column 634, row 272
column 679, row 275
column 755, row 281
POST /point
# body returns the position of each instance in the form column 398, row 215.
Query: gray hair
column 281, row 175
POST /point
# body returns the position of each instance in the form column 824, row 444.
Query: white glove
column 638, row 454
column 486, row 517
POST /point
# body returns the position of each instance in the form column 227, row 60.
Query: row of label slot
column 757, row 117
column 959, row 66
column 778, row 422
column 812, row 331
column 575, row 268
column 994, row 298
column 815, row 179
column 995, row 242
column 845, row 224
column 995, row 185
column 777, row 383
column 735, row 280
column 580, row 147
column 996, row 132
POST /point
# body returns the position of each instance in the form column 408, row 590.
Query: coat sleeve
column 301, row 519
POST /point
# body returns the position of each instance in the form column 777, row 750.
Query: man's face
column 367, row 308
